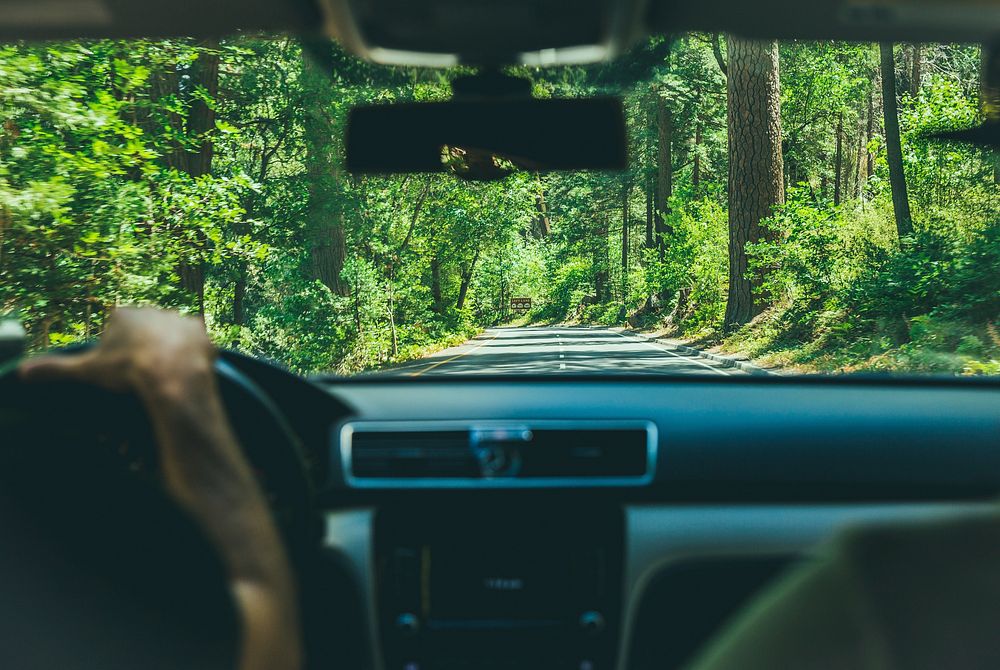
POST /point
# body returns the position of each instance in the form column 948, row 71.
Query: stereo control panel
column 499, row 587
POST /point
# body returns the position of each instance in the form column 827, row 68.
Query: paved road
column 551, row 351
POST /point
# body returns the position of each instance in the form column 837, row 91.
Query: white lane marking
column 664, row 350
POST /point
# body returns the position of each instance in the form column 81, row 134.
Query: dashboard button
column 592, row 622
column 408, row 624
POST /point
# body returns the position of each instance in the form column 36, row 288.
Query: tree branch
column 719, row 58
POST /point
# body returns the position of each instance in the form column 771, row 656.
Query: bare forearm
column 168, row 361
column 206, row 473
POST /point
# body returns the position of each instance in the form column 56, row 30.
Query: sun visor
column 856, row 20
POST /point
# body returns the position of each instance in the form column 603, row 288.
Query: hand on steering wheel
column 144, row 351
column 168, row 362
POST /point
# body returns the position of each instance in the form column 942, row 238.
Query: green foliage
column 695, row 262
column 208, row 177
column 107, row 197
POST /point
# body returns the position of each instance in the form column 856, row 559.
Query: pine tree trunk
column 664, row 172
column 916, row 70
column 650, row 214
column 756, row 174
column 391, row 309
column 600, row 262
column 696, row 170
column 859, row 157
column 838, row 163
column 894, row 150
column 203, row 73
column 626, row 192
column 436, row 284
column 239, row 296
column 869, row 134
column 324, row 219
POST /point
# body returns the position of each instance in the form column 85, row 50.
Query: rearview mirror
column 488, row 139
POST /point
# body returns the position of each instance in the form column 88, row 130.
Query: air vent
column 535, row 454
column 412, row 454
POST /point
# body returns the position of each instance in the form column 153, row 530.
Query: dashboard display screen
column 490, row 582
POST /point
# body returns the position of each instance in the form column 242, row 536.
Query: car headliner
column 377, row 29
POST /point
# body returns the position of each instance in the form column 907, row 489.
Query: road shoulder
column 679, row 347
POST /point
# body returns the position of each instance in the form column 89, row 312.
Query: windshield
column 784, row 210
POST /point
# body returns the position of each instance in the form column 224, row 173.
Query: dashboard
column 616, row 523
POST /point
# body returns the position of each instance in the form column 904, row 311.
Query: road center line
column 449, row 360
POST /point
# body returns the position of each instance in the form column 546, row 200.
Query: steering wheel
column 97, row 555
column 49, row 422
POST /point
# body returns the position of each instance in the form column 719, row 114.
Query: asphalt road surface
column 558, row 351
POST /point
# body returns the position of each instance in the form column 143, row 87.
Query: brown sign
column 520, row 305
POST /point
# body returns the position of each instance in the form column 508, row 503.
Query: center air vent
column 537, row 454
column 412, row 454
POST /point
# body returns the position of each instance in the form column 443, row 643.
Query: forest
column 783, row 201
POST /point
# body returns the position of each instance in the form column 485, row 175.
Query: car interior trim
column 658, row 536
column 346, row 433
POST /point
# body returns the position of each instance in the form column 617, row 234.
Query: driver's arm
column 167, row 360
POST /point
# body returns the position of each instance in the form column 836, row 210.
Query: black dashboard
column 615, row 523
column 735, row 439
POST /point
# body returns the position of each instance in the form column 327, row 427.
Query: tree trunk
column 626, row 192
column 894, row 150
column 542, row 227
column 756, row 174
column 239, row 298
column 391, row 309
column 436, row 284
column 650, row 213
column 324, row 219
column 463, row 290
column 359, row 325
column 989, row 93
column 858, row 157
column 869, row 134
column 203, row 73
column 5, row 222
column 417, row 207
column 916, row 70
column 600, row 262
column 717, row 52
column 650, row 184
column 696, row 170
column 239, row 295
column 838, row 163
column 664, row 171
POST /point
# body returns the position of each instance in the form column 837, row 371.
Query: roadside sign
column 520, row 305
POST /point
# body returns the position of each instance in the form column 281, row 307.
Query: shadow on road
column 555, row 351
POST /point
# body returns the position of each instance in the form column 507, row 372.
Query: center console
column 499, row 586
